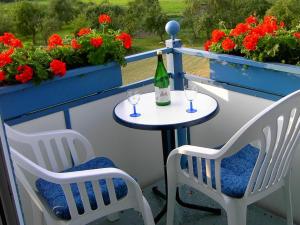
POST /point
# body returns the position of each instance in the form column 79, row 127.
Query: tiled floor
column 183, row 216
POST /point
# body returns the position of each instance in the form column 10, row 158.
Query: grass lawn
column 144, row 69
column 171, row 7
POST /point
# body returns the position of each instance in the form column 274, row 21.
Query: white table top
column 155, row 117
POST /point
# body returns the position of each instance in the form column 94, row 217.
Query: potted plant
column 266, row 56
column 81, row 64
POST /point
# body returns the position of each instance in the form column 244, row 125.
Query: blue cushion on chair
column 235, row 170
column 54, row 195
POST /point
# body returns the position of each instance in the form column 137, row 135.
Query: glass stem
column 134, row 109
column 191, row 105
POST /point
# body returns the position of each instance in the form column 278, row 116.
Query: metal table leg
column 168, row 144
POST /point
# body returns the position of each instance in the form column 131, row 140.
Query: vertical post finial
column 172, row 28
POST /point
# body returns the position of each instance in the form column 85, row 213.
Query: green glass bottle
column 161, row 83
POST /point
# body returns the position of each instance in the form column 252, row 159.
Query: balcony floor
column 255, row 216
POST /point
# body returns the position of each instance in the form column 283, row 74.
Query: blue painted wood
column 76, row 102
column 26, row 98
column 269, row 78
column 146, row 55
column 175, row 67
column 67, row 119
column 256, row 78
column 21, row 101
column 174, row 62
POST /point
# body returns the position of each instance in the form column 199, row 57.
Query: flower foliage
column 267, row 40
column 21, row 64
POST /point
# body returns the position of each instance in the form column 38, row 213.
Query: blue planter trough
column 20, row 99
column 277, row 79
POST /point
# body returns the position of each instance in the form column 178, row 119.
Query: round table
column 167, row 119
column 173, row 116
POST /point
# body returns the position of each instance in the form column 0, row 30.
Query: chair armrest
column 69, row 177
column 87, row 175
column 199, row 152
column 173, row 163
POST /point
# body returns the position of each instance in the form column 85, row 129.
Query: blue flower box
column 20, row 99
column 273, row 78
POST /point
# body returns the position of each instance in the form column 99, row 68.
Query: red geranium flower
column 270, row 19
column 84, row 31
column 16, row 43
column 282, row 25
column 58, row 67
column 270, row 28
column 258, row 31
column 104, row 19
column 10, row 40
column 239, row 29
column 217, row 35
column 297, row 35
column 207, row 45
column 6, row 37
column 251, row 20
column 75, row 44
column 250, row 42
column 25, row 74
column 125, row 38
column 96, row 42
column 54, row 40
column 228, row 44
column 2, row 75
column 9, row 52
column 5, row 59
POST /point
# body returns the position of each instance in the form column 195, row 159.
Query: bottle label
column 162, row 94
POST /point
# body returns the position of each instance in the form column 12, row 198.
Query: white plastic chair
column 44, row 161
column 274, row 131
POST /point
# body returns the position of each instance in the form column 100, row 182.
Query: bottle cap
column 159, row 52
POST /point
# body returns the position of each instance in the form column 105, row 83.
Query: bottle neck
column 160, row 58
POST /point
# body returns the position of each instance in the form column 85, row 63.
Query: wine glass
column 133, row 97
column 191, row 91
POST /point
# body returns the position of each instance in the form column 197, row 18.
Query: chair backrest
column 55, row 150
column 276, row 132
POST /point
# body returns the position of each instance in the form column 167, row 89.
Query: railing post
column 174, row 60
column 174, row 66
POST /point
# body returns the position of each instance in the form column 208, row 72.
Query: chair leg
column 147, row 213
column 288, row 201
column 236, row 212
column 172, row 187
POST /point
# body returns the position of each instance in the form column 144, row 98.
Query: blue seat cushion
column 55, row 198
column 235, row 170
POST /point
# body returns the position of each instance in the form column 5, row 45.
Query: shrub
column 6, row 22
column 63, row 10
column 29, row 18
column 205, row 15
column 48, row 26
column 115, row 11
column 79, row 22
column 286, row 10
